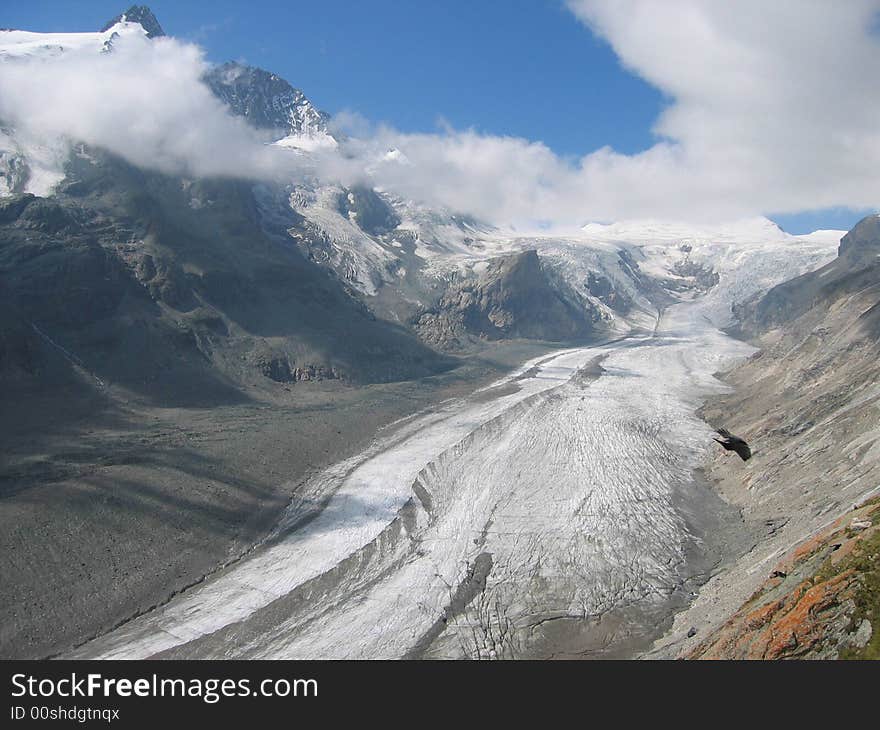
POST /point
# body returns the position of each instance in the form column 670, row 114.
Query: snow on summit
column 23, row 44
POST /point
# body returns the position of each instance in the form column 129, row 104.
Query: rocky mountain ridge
column 512, row 296
column 266, row 100
column 807, row 401
column 158, row 295
column 399, row 257
column 138, row 14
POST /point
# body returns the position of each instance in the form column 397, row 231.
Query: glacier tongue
column 474, row 525
column 566, row 506
column 553, row 513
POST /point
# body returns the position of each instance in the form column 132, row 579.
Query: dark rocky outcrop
column 138, row 14
column 514, row 297
column 856, row 267
column 862, row 244
column 168, row 299
column 367, row 209
column 698, row 276
column 11, row 208
column 654, row 290
column 265, row 99
column 48, row 216
column 603, row 289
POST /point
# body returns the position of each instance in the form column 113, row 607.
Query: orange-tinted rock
column 804, row 624
column 813, row 617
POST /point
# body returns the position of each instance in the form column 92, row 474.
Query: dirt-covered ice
column 474, row 526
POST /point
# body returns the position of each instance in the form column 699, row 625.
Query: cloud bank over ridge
column 144, row 101
column 773, row 107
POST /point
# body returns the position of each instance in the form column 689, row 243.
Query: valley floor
column 109, row 508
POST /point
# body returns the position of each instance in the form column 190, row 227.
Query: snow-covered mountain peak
column 267, row 101
column 22, row 44
column 138, row 20
column 141, row 15
column 34, row 163
column 758, row 229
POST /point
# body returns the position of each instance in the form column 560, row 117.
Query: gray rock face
column 138, row 14
column 603, row 289
column 372, row 214
column 267, row 101
column 280, row 368
column 807, row 401
column 11, row 208
column 176, row 302
column 862, row 243
column 513, row 298
column 856, row 267
column 698, row 277
column 14, row 173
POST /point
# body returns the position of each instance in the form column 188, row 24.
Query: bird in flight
column 734, row 443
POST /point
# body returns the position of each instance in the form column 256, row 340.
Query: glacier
column 553, row 513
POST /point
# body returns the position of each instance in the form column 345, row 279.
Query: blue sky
column 524, row 68
column 482, row 64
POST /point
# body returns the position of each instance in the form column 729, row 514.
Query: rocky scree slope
column 820, row 602
column 174, row 290
column 808, row 402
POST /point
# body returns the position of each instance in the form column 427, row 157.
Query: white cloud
column 773, row 107
column 144, row 101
